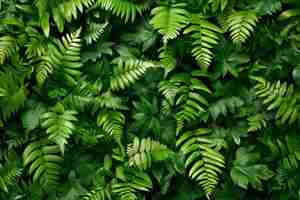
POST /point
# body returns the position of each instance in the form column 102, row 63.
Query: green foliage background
column 148, row 100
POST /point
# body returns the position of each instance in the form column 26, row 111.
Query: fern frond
column 217, row 5
column 107, row 100
column 44, row 68
column 83, row 95
column 286, row 150
column 60, row 11
column 31, row 118
column 167, row 58
column 143, row 152
column 280, row 97
column 224, row 105
column 43, row 162
column 37, row 45
column 8, row 46
column 125, row 191
column 128, row 72
column 12, row 94
column 184, row 91
column 202, row 160
column 9, row 174
column 135, row 181
column 268, row 7
column 94, row 32
column 112, row 123
column 240, row 26
column 66, row 56
column 169, row 20
column 206, row 37
column 125, row 9
column 247, row 168
column 256, row 122
column 104, row 48
column 97, row 194
column 69, row 9
column 59, row 124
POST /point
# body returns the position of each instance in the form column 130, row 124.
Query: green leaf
column 31, row 118
column 169, row 20
column 247, row 171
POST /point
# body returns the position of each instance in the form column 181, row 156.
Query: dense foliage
column 148, row 100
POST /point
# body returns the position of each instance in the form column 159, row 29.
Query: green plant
column 146, row 100
column 202, row 158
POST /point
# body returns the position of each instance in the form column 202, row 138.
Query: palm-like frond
column 224, row 105
column 60, row 11
column 112, row 123
column 240, row 26
column 167, row 58
column 134, row 181
column 125, row 9
column 143, row 152
column 94, row 32
column 59, row 124
column 98, row 194
column 206, row 36
column 184, row 92
column 8, row 46
column 128, row 72
column 9, row 174
column 280, row 97
column 66, row 56
column 256, row 122
column 107, row 100
column 169, row 20
column 43, row 162
column 44, row 69
column 217, row 5
column 12, row 94
column 203, row 161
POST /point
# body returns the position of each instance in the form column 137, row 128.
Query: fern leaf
column 169, row 20
column 66, row 57
column 43, row 70
column 268, row 7
column 124, row 9
column 8, row 175
column 12, row 94
column 112, row 123
column 31, row 118
column 69, row 9
column 203, row 162
column 246, row 170
column 218, row 5
column 94, row 32
column 37, row 45
column 61, row 11
column 167, row 59
column 280, row 97
column 59, row 124
column 43, row 162
column 143, row 152
column 125, row 191
column 128, row 72
column 107, row 100
column 224, row 105
column 8, row 46
column 184, row 91
column 206, row 36
column 256, row 122
column 135, row 181
column 97, row 194
column 240, row 26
